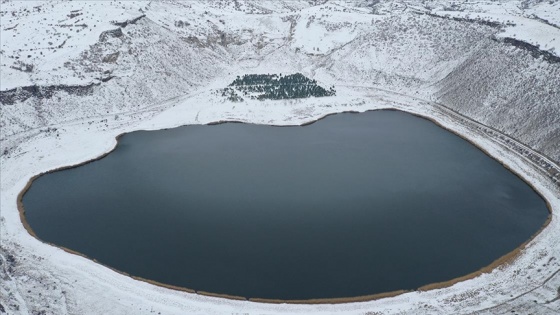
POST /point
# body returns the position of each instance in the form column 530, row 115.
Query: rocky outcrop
column 468, row 20
column 116, row 33
column 20, row 94
column 534, row 50
column 111, row 58
column 128, row 22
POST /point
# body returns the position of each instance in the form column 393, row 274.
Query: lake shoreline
column 505, row 259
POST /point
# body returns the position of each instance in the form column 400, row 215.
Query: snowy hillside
column 142, row 53
column 74, row 74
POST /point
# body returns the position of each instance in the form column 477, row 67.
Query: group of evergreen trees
column 231, row 95
column 275, row 87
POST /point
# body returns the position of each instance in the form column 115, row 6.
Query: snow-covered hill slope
column 75, row 59
column 508, row 89
column 74, row 73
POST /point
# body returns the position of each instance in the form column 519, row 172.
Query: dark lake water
column 354, row 204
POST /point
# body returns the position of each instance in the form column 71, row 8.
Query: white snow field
column 75, row 74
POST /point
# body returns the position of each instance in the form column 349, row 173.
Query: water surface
column 352, row 205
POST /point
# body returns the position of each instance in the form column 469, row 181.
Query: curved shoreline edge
column 501, row 261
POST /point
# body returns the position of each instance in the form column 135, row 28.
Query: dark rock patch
column 110, row 33
column 128, row 22
column 20, row 94
column 534, row 50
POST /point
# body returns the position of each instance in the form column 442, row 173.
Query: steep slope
column 507, row 88
column 141, row 67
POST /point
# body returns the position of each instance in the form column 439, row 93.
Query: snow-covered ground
column 153, row 65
